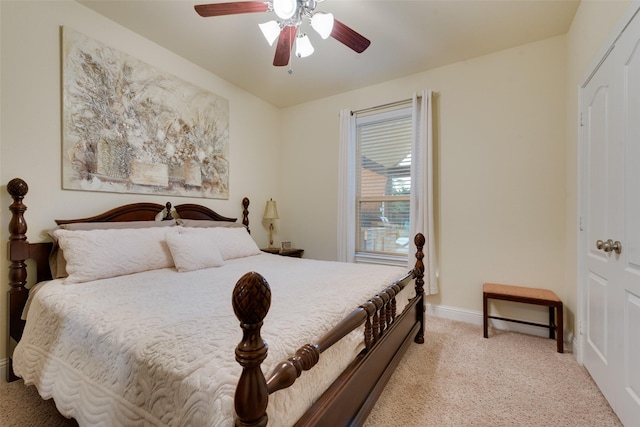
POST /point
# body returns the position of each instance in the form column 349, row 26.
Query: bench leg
column 560, row 329
column 552, row 322
column 485, row 315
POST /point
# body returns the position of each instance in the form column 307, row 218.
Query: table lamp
column 271, row 213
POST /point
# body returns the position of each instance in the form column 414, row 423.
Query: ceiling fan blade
column 231, row 8
column 285, row 43
column 349, row 37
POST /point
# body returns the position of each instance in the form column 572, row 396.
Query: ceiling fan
column 291, row 14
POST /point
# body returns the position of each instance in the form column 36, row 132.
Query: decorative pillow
column 57, row 263
column 99, row 254
column 233, row 242
column 193, row 251
column 202, row 223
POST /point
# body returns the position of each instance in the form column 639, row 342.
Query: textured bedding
column 157, row 347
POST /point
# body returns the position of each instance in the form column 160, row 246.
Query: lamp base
column 271, row 236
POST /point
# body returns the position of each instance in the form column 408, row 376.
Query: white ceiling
column 407, row 37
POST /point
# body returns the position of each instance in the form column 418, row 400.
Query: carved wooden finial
column 419, row 240
column 245, row 213
column 18, row 249
column 251, row 301
column 17, row 188
column 251, row 298
column 168, row 215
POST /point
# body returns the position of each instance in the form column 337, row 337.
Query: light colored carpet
column 457, row 378
column 460, row 378
column 22, row 406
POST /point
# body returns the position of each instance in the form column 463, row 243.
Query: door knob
column 605, row 246
column 609, row 246
column 616, row 246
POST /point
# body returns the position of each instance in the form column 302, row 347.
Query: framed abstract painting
column 130, row 128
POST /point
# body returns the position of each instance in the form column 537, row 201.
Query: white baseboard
column 476, row 318
column 453, row 313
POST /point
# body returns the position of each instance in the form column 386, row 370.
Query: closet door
column 599, row 192
column 610, row 184
column 628, row 69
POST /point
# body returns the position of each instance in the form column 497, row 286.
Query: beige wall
column 500, row 164
column 506, row 164
column 30, row 128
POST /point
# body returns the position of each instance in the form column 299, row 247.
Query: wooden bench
column 525, row 295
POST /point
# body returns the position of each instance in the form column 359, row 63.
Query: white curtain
column 346, row 188
column 421, row 210
column 421, row 213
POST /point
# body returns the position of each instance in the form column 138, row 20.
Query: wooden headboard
column 149, row 212
column 19, row 250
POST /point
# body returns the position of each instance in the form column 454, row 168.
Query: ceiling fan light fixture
column 303, row 46
column 285, row 8
column 286, row 26
column 270, row 30
column 322, row 23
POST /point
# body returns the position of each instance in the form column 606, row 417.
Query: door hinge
column 581, row 124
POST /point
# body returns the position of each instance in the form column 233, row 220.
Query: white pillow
column 99, row 254
column 193, row 251
column 57, row 263
column 233, row 242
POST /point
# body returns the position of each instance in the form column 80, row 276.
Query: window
column 383, row 185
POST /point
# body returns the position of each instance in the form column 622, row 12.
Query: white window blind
column 383, row 185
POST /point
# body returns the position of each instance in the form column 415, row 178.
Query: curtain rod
column 380, row 107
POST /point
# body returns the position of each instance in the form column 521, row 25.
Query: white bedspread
column 157, row 348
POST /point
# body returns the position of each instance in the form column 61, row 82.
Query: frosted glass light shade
column 271, row 31
column 285, row 8
column 322, row 23
column 303, row 46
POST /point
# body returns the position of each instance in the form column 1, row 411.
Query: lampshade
column 271, row 211
column 303, row 46
column 285, row 8
column 322, row 23
column 271, row 31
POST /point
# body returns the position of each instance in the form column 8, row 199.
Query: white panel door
column 628, row 393
column 611, row 214
column 598, row 121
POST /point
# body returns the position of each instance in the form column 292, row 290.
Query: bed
column 156, row 346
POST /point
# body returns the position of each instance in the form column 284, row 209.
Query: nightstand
column 295, row 253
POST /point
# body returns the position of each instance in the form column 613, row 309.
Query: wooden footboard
column 348, row 401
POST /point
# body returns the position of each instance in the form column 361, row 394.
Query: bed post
column 419, row 240
column 251, row 302
column 245, row 213
column 18, row 253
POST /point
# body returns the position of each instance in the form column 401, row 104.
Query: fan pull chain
column 290, row 70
